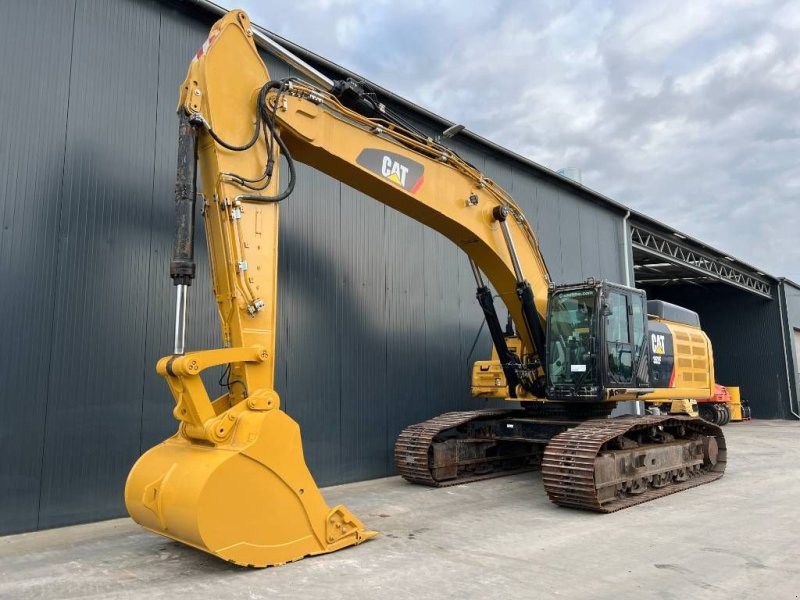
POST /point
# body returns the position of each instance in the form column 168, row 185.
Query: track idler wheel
column 710, row 451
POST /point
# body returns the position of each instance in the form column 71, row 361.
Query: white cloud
column 686, row 112
column 347, row 30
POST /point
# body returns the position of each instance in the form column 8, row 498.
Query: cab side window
column 617, row 324
column 618, row 339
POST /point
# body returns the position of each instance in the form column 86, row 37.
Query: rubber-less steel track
column 568, row 466
column 412, row 449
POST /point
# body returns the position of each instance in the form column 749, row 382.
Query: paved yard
column 735, row 538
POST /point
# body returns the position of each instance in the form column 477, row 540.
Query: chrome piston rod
column 277, row 50
column 512, row 251
column 180, row 318
column 476, row 272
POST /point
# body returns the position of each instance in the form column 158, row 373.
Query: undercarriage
column 599, row 464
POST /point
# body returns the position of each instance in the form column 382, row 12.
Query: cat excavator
column 233, row 482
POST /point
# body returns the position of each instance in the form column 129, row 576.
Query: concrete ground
column 735, row 538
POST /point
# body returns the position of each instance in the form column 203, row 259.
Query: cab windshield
column 571, row 327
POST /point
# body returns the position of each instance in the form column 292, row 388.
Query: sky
column 686, row 111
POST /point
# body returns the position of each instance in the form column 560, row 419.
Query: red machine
column 724, row 406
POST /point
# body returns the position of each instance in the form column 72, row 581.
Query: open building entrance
column 738, row 306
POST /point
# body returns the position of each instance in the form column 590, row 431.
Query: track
column 572, row 477
column 413, row 455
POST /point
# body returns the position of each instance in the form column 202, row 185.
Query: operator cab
column 596, row 348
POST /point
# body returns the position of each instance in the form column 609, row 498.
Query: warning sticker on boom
column 400, row 170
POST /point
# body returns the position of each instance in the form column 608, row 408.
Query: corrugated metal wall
column 746, row 335
column 376, row 313
column 790, row 295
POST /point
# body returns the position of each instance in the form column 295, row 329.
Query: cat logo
column 394, row 171
column 400, row 170
column 657, row 343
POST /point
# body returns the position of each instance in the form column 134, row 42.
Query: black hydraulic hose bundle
column 265, row 115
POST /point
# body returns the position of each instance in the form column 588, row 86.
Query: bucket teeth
column 343, row 525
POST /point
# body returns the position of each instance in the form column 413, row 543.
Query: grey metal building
column 376, row 313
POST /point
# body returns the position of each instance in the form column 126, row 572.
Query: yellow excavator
column 233, row 482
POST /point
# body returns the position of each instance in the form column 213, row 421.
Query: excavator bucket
column 251, row 500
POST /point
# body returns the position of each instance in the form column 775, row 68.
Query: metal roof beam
column 683, row 255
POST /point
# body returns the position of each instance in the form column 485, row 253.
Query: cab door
column 624, row 325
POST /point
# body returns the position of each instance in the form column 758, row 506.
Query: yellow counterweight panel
column 693, row 360
column 233, row 480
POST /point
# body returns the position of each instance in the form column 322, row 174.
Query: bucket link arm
column 201, row 418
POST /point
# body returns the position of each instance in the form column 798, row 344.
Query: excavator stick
column 232, row 481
